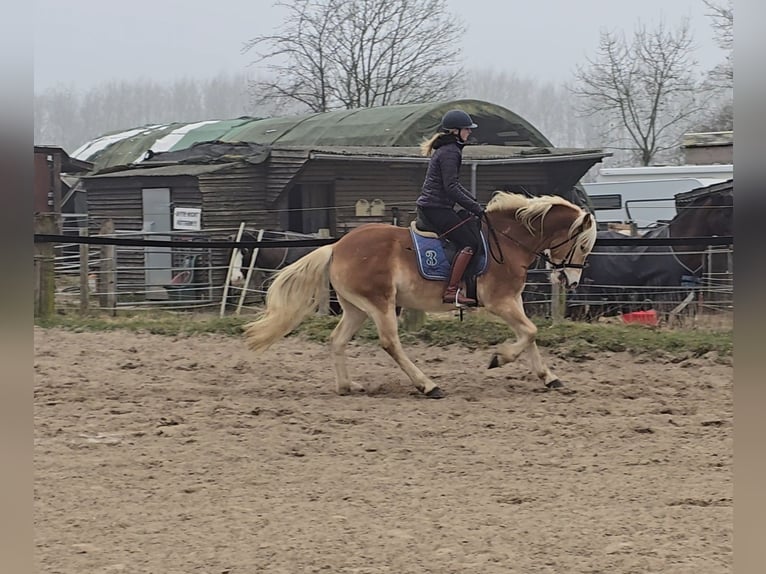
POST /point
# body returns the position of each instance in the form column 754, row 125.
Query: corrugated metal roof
column 403, row 125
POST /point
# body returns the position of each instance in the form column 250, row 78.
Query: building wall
column 43, row 184
column 398, row 185
column 119, row 199
column 723, row 154
column 229, row 199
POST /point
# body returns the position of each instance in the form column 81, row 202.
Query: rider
column 442, row 190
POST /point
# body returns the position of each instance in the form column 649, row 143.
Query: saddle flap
column 435, row 261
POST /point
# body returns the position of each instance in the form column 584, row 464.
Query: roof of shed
column 478, row 153
column 386, row 126
column 401, row 125
column 181, row 169
column 209, row 157
column 131, row 146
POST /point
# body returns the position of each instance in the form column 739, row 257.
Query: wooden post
column 558, row 303
column 412, row 319
column 84, row 290
column 45, row 279
column 107, row 283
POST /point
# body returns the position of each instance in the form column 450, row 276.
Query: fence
column 191, row 271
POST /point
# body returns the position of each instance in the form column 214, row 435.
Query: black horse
column 632, row 277
column 268, row 261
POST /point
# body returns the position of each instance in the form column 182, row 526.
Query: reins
column 454, row 227
column 565, row 263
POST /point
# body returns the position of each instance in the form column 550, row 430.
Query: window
column 606, row 201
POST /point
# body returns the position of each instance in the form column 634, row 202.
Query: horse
column 374, row 269
column 268, row 259
column 625, row 277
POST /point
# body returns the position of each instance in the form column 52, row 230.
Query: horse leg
column 351, row 320
column 388, row 333
column 526, row 332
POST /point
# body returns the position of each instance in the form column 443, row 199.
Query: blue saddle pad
column 433, row 262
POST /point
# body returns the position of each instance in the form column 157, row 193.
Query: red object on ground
column 644, row 317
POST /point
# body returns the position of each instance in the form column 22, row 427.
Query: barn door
column 309, row 208
column 157, row 260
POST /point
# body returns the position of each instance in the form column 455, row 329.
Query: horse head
column 267, row 259
column 559, row 231
column 704, row 214
column 240, row 258
column 720, row 218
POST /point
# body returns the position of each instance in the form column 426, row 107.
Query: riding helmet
column 456, row 120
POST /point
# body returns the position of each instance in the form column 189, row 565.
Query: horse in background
column 375, row 268
column 628, row 277
column 268, row 260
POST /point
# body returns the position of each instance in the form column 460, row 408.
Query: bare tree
column 723, row 26
column 332, row 54
column 645, row 91
column 547, row 106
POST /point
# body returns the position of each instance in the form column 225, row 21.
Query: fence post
column 45, row 279
column 412, row 319
column 558, row 303
column 84, row 287
column 107, row 284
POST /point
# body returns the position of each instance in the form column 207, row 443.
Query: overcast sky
column 87, row 42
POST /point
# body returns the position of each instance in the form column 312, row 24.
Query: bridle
column 565, row 263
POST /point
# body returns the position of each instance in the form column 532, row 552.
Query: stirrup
column 471, row 302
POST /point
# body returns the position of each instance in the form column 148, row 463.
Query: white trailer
column 643, row 196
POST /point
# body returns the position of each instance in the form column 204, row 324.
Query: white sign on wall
column 187, row 218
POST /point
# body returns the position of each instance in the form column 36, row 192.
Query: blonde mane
column 530, row 208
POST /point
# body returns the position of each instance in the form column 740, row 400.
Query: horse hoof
column 494, row 363
column 436, row 393
column 554, row 384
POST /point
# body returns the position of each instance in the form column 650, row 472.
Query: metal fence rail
column 102, row 276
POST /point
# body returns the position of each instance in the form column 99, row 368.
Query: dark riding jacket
column 442, row 188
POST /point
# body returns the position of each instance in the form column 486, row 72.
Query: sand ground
column 191, row 455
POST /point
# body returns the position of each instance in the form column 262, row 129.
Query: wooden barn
column 354, row 167
column 53, row 191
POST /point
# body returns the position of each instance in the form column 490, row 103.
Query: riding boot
column 452, row 293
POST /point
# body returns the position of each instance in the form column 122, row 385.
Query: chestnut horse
column 373, row 269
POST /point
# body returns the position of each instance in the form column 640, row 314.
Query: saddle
column 434, row 255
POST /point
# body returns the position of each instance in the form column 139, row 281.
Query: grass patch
column 476, row 331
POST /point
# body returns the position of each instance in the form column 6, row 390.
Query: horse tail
column 297, row 290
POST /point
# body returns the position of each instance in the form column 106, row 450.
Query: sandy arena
column 170, row 455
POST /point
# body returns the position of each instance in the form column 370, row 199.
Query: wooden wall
column 251, row 194
column 398, row 185
column 120, row 199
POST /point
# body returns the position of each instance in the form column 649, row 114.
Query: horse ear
column 587, row 221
